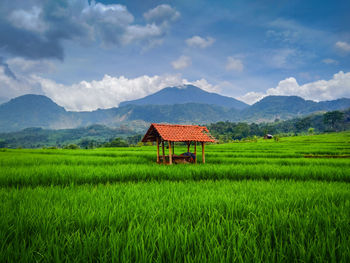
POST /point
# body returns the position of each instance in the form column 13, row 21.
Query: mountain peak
column 186, row 94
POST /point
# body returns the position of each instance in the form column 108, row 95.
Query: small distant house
column 268, row 136
column 171, row 133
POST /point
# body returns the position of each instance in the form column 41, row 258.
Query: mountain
column 180, row 113
column 30, row 111
column 39, row 111
column 187, row 94
column 287, row 107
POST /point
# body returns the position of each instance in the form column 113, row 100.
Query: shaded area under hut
column 172, row 133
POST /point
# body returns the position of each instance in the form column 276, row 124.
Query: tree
column 303, row 124
column 87, row 143
column 333, row 119
column 3, row 144
column 311, row 131
column 117, row 142
column 72, row 147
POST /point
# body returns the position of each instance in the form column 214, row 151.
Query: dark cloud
column 8, row 72
column 37, row 29
column 19, row 42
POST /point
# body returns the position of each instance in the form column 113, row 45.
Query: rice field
column 265, row 201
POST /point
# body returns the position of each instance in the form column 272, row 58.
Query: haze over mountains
column 187, row 104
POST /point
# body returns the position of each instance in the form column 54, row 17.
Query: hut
column 171, row 133
column 268, row 136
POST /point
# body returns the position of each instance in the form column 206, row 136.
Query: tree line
column 332, row 121
column 100, row 136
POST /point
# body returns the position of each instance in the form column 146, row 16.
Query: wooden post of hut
column 158, row 161
column 163, row 151
column 195, row 151
column 178, row 133
column 203, row 152
column 170, row 154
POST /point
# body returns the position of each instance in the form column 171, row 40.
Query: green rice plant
column 276, row 221
column 252, row 201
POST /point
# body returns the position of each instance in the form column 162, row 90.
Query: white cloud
column 110, row 91
column 105, row 93
column 330, row 61
column 135, row 32
column 251, row 97
column 337, row 87
column 281, row 58
column 197, row 41
column 26, row 66
column 182, row 62
column 204, row 85
column 342, row 46
column 290, row 31
column 114, row 24
column 12, row 87
column 161, row 14
column 234, row 64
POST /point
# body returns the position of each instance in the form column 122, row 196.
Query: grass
column 261, row 202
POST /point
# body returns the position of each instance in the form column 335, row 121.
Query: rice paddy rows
column 251, row 202
column 249, row 221
column 236, row 161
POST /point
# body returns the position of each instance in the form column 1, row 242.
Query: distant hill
column 287, row 107
column 187, row 94
column 38, row 137
column 40, row 111
column 29, row 111
column 96, row 135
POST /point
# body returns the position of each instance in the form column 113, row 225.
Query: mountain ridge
column 187, row 94
column 40, row 111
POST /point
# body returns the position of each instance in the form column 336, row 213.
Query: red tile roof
column 178, row 133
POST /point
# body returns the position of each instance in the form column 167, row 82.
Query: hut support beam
column 163, row 151
column 188, row 146
column 203, row 152
column 158, row 161
column 170, row 153
column 195, row 151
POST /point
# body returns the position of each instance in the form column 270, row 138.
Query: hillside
column 187, row 94
column 40, row 111
column 287, row 107
column 30, row 111
column 96, row 135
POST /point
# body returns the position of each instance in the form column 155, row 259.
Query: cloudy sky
column 94, row 54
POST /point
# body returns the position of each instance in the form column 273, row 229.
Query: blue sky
column 87, row 55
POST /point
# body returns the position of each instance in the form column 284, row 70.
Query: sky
column 86, row 55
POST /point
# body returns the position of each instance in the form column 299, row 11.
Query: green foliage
column 311, row 131
column 206, row 221
column 135, row 139
column 333, row 119
column 96, row 135
column 71, row 147
column 227, row 131
column 88, row 137
column 3, row 144
column 117, row 142
column 251, row 202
